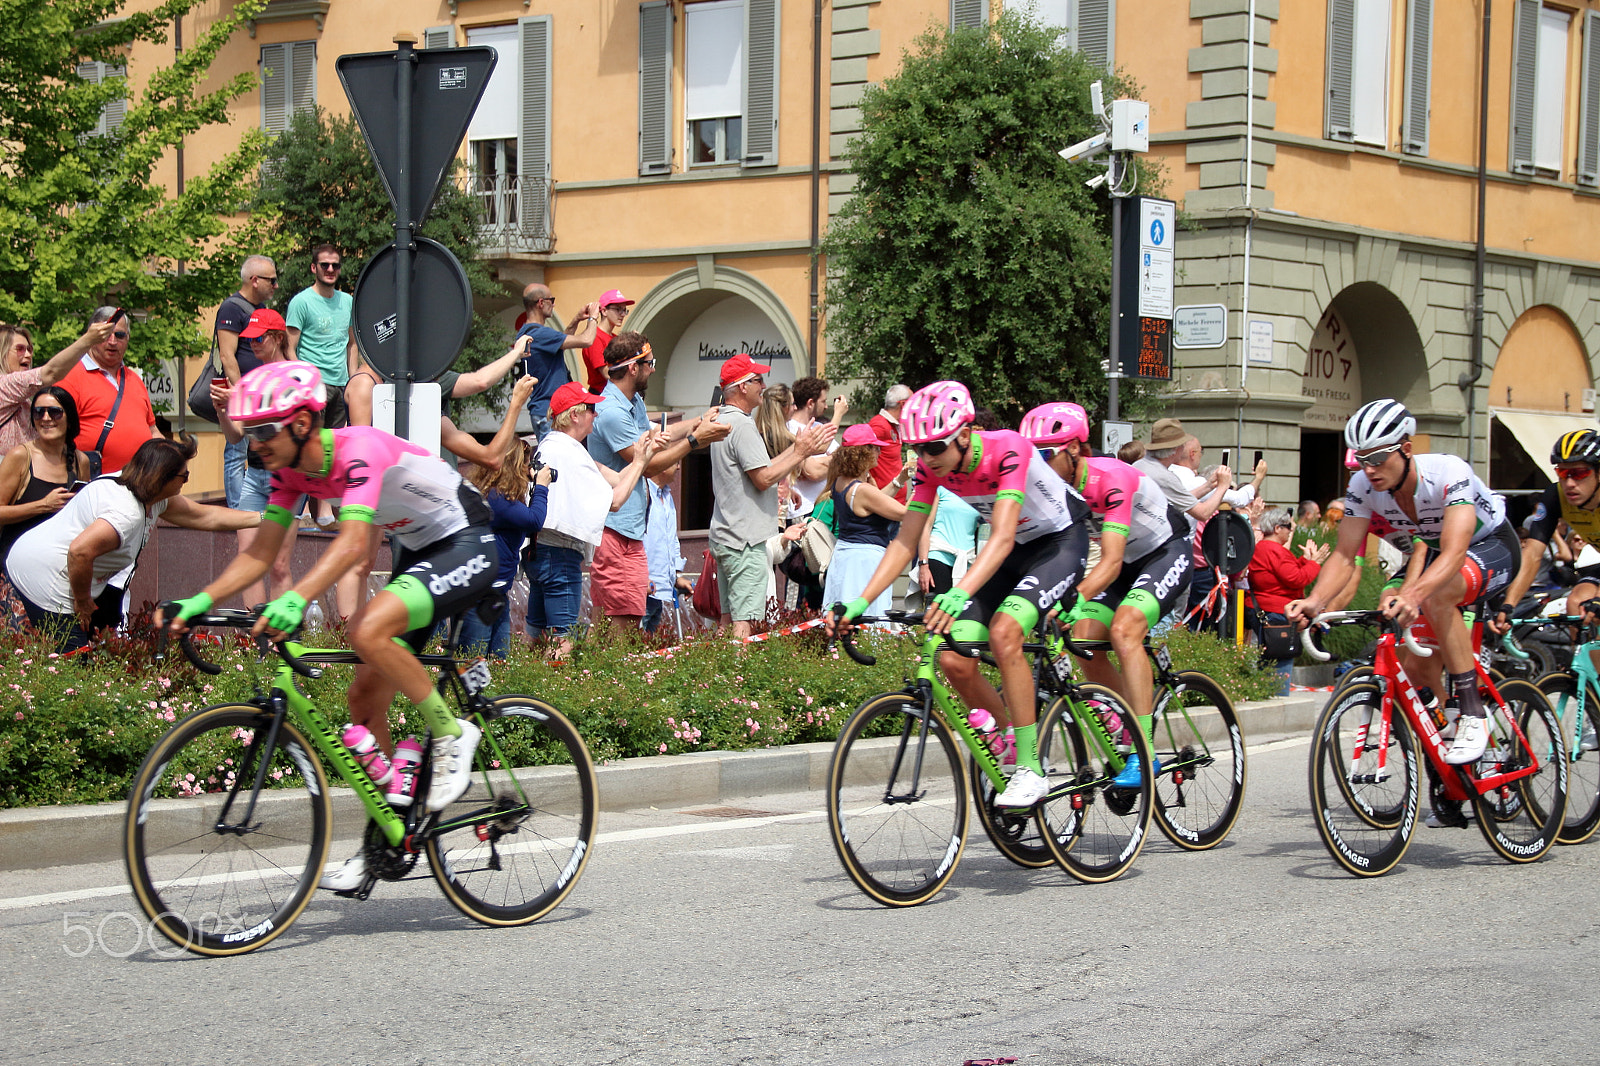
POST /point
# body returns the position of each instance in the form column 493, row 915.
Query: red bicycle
column 1366, row 777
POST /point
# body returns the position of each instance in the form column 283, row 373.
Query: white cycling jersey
column 1442, row 481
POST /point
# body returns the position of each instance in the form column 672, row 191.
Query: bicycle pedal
column 359, row 893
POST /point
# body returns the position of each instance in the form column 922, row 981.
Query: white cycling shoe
column 1472, row 740
column 1025, row 789
column 452, row 765
column 348, row 877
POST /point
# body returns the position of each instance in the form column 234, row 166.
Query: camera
column 538, row 465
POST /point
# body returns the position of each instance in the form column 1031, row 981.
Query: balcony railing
column 518, row 213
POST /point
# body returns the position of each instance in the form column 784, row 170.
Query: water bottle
column 1000, row 743
column 314, row 617
column 364, row 746
column 1116, row 728
column 1430, row 703
column 407, row 757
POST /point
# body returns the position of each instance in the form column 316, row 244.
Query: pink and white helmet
column 277, row 390
column 1056, row 423
column 936, row 412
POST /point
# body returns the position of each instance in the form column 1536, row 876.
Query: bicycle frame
column 1585, row 676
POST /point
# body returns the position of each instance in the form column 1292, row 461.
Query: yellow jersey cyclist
column 1575, row 499
column 1144, row 566
column 445, row 559
column 1432, row 503
column 1035, row 555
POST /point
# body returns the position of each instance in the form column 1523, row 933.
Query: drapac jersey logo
column 460, row 577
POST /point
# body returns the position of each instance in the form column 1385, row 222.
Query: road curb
column 33, row 837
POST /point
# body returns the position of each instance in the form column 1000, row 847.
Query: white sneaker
column 348, row 877
column 1472, row 739
column 1024, row 790
column 452, row 765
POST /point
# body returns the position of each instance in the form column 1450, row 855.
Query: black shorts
column 1154, row 583
column 443, row 579
column 1033, row 578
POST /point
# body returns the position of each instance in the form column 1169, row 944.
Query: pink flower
column 663, row 748
column 19, row 716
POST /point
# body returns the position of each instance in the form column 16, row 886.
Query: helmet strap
column 1589, row 503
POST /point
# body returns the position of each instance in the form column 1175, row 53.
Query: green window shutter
column 116, row 110
column 968, row 14
column 1096, row 30
column 1341, row 69
column 655, row 87
column 439, row 37
column 274, row 88
column 302, row 77
column 1524, row 84
column 761, row 30
column 1419, row 60
column 1589, row 114
column 533, row 126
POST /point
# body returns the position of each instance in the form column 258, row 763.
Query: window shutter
column 1524, row 83
column 302, row 77
column 274, row 87
column 116, row 111
column 1341, row 68
column 1097, row 30
column 533, row 126
column 1419, row 59
column 655, row 87
column 761, row 29
column 1589, row 116
column 439, row 37
column 968, row 14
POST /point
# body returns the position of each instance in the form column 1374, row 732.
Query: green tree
column 84, row 221
column 320, row 183
column 971, row 250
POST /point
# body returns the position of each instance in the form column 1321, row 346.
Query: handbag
column 816, row 546
column 707, row 599
column 1278, row 640
column 95, row 456
column 200, row 392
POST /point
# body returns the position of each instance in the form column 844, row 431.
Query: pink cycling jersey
column 1128, row 503
column 1004, row 465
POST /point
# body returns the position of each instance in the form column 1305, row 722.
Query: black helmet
column 1579, row 446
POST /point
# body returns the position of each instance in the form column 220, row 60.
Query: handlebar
column 963, row 648
column 227, row 619
column 1332, row 618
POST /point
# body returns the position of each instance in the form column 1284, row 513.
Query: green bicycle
column 233, row 875
column 897, row 785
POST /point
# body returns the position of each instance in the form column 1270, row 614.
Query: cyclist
column 1034, row 557
column 1144, row 566
column 445, row 557
column 1574, row 497
column 1471, row 550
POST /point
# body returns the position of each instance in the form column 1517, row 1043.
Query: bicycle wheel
column 227, row 890
column 1520, row 820
column 897, row 801
column 1094, row 829
column 1583, row 761
column 1347, row 789
column 514, row 846
column 1200, row 787
column 1013, row 832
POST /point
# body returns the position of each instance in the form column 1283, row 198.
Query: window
column 1358, row 71
column 115, row 111
column 1088, row 26
column 492, row 134
column 713, row 81
column 1538, row 88
column 1419, row 61
column 288, row 82
column 967, row 14
column 1589, row 119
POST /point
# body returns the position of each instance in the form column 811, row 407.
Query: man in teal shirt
column 320, row 331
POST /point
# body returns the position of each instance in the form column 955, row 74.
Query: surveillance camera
column 1084, row 149
column 1096, row 101
column 1096, row 181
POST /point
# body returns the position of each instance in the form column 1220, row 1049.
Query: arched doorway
column 1540, row 389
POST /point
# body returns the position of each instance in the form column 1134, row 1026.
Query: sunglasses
column 51, row 413
column 269, row 279
column 618, row 309
column 1048, row 454
column 935, row 447
column 330, row 266
column 264, row 432
column 1566, row 473
column 184, row 476
column 121, row 335
column 1377, row 458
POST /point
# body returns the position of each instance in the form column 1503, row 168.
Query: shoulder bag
column 200, row 392
column 707, row 598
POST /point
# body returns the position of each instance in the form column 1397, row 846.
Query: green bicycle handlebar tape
column 953, row 601
column 285, row 612
column 856, row 608
column 193, row 607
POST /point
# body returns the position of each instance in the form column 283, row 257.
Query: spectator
column 619, row 579
column 886, row 425
column 62, row 566
column 951, row 540
column 514, row 522
column 38, row 478
column 614, row 308
column 258, row 277
column 1276, row 576
column 865, row 516
column 100, row 385
column 320, row 332
column 772, row 418
column 581, row 493
column 1332, row 515
column 19, row 381
column 810, row 478
column 1308, row 515
column 661, row 547
column 543, row 358
column 744, row 483
column 1131, row 452
column 1167, row 440
column 1202, row 482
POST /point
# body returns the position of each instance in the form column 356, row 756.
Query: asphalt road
column 704, row 938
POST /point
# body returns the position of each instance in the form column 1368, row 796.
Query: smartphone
column 76, row 485
column 1258, row 460
column 716, row 396
column 1225, row 455
column 118, row 315
column 220, row 382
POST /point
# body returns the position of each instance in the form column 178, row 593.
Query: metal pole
column 1114, row 365
column 405, row 58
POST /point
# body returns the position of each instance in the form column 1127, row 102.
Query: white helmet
column 1378, row 424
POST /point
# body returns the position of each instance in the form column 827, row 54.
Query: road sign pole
column 403, row 75
column 1114, row 364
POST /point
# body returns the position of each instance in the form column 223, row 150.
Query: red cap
column 568, row 396
column 614, row 296
column 741, row 367
column 262, row 321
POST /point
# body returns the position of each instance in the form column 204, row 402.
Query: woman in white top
column 59, row 566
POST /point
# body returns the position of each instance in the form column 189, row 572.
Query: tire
column 903, row 852
column 1094, row 829
column 1521, row 820
column 1583, row 764
column 1014, row 833
column 1344, row 810
column 227, row 892
column 514, row 846
column 1200, row 788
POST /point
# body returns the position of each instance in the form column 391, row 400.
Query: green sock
column 434, row 711
column 1028, row 747
column 1147, row 722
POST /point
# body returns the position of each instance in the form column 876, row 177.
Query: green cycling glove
column 285, row 612
column 855, row 609
column 952, row 602
column 193, row 607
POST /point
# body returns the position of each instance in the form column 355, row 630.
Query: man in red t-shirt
column 94, row 382
column 886, row 423
column 614, row 309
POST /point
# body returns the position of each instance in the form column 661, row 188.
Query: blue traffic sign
column 1158, row 232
